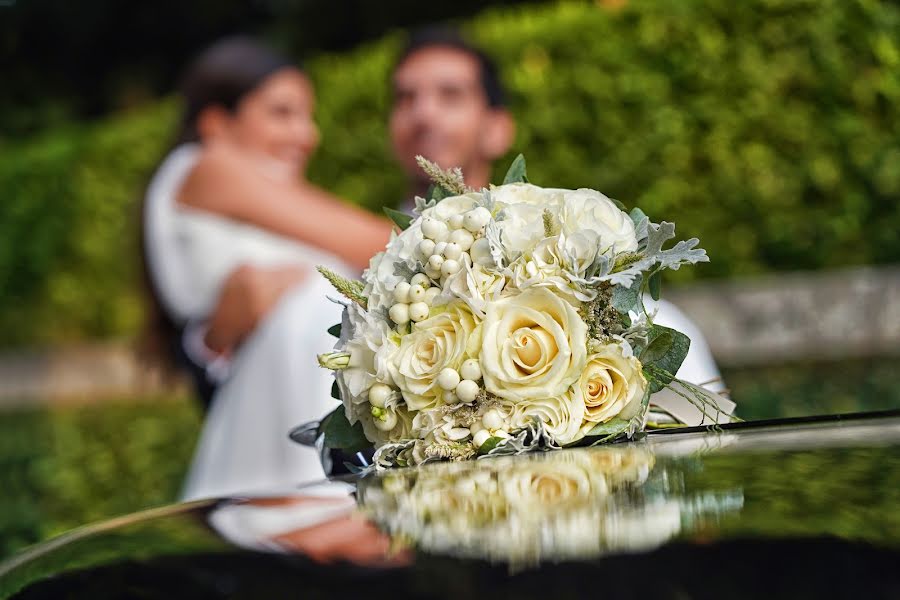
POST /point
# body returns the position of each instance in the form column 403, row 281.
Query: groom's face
column 440, row 109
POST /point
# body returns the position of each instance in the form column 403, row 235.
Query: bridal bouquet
column 502, row 320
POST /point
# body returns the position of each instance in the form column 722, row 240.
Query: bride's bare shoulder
column 217, row 175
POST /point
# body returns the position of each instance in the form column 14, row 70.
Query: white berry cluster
column 445, row 246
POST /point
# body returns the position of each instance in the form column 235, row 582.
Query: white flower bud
column 476, row 427
column 431, row 227
column 448, row 379
column 430, row 294
column 379, row 394
column 421, row 279
column 471, row 369
column 439, row 248
column 399, row 313
column 480, row 438
column 455, row 221
column 452, row 251
column 467, row 390
column 334, row 360
column 385, row 418
column 463, row 238
column 425, row 249
column 450, row 397
column 476, row 218
column 432, row 273
column 418, row 311
column 492, row 419
column 436, row 261
column 449, row 267
column 416, row 293
column 401, row 292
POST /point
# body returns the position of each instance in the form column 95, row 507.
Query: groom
column 449, row 106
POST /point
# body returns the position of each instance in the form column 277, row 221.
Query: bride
column 231, row 195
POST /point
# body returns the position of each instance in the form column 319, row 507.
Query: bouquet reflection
column 557, row 506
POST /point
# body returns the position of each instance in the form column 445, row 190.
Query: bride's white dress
column 275, row 382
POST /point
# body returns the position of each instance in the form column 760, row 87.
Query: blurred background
column 770, row 129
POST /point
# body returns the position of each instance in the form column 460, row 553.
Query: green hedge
column 770, row 129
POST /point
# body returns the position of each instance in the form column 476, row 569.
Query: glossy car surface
column 790, row 508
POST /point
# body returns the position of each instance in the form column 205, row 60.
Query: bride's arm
column 223, row 182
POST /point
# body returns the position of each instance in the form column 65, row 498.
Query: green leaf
column 627, row 298
column 400, row 219
column 608, row 430
column 339, row 433
column 490, row 443
column 665, row 351
column 335, row 391
column 335, row 330
column 618, row 204
column 654, row 284
column 516, row 173
column 437, row 193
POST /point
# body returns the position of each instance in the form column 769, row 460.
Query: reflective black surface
column 782, row 509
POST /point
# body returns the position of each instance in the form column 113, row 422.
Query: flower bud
column 471, row 369
column 449, row 267
column 418, row 311
column 476, row 218
column 448, row 379
column 436, row 261
column 467, row 390
column 334, row 360
column 399, row 313
column 492, row 419
column 455, row 221
column 462, row 238
column 416, row 293
column 480, row 438
column 452, row 251
column 421, row 279
column 425, row 249
column 401, row 292
column 379, row 394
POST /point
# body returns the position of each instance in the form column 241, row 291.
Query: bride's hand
column 247, row 296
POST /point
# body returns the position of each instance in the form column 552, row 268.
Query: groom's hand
column 246, row 298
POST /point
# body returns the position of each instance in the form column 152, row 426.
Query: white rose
column 366, row 338
column 434, row 344
column 475, row 285
column 542, row 267
column 533, row 346
column 611, row 385
column 454, row 205
column 590, row 210
column 562, row 416
column 535, row 486
column 526, row 193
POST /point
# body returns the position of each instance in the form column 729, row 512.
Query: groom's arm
column 248, row 295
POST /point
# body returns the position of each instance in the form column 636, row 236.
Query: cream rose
column 611, row 385
column 562, row 416
column 533, row 346
column 590, row 210
column 436, row 343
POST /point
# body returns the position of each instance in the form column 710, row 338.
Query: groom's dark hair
column 449, row 37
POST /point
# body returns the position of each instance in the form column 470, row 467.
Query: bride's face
column 276, row 121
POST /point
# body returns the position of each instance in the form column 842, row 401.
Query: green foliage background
column 770, row 129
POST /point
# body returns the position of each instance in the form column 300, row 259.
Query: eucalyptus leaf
column 626, row 298
column 437, row 193
column 608, row 430
column 489, row 444
column 339, row 433
column 400, row 219
column 665, row 351
column 654, row 285
column 516, row 173
column 335, row 330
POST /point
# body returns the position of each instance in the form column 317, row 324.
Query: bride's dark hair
column 221, row 75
